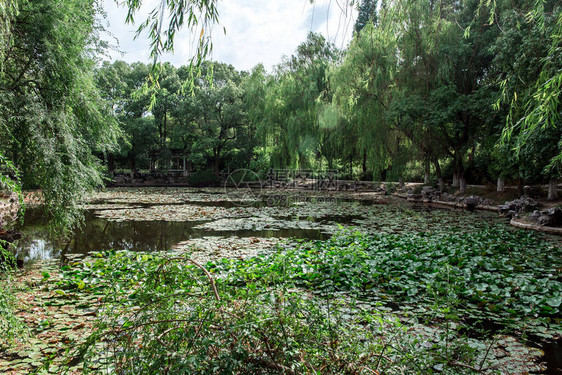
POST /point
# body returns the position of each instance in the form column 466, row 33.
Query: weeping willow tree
column 543, row 107
column 362, row 88
column 292, row 104
column 541, row 104
column 9, row 180
column 530, row 87
column 52, row 122
column 414, row 87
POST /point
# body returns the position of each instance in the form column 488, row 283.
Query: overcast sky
column 257, row 31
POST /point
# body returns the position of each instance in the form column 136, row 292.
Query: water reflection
column 100, row 234
column 36, row 249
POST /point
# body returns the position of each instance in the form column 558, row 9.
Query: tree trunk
column 500, row 185
column 165, row 129
column 401, row 182
column 364, row 165
column 216, row 166
column 427, row 174
column 455, row 179
column 383, row 174
column 441, row 183
column 438, row 174
column 133, row 165
column 458, row 173
column 462, row 184
column 552, row 190
column 111, row 165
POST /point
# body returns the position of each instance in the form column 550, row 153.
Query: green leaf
column 60, row 292
column 554, row 301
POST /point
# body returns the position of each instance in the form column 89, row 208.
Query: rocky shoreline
column 524, row 212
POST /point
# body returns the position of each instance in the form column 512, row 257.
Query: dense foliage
column 10, row 326
column 321, row 307
column 52, row 121
column 424, row 88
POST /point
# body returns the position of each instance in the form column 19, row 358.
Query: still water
column 97, row 234
column 318, row 222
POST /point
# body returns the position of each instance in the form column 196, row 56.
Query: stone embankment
column 524, row 212
column 9, row 208
column 434, row 196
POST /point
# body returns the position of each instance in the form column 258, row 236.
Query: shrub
column 204, row 177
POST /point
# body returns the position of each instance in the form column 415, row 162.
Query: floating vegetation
column 209, row 248
column 411, row 282
column 261, row 223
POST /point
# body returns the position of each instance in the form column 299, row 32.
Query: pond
column 156, row 219
column 213, row 223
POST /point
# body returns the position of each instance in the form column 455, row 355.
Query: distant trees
column 426, row 87
column 207, row 125
column 424, row 90
column 220, row 117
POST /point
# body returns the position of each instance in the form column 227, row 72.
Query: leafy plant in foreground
column 497, row 273
column 165, row 315
column 10, row 326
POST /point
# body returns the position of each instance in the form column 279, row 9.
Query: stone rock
column 414, row 197
column 535, row 215
column 10, row 235
column 556, row 214
column 474, row 200
column 487, row 202
column 471, row 202
column 446, row 197
column 504, row 209
column 551, row 217
column 544, row 220
column 523, row 204
column 430, row 193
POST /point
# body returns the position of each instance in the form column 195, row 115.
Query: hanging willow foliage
column 52, row 118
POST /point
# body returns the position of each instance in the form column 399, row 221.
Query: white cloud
column 257, row 31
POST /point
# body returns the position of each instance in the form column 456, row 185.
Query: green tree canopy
column 53, row 122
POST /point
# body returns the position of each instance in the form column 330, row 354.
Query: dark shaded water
column 100, row 234
column 552, row 348
column 552, row 354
